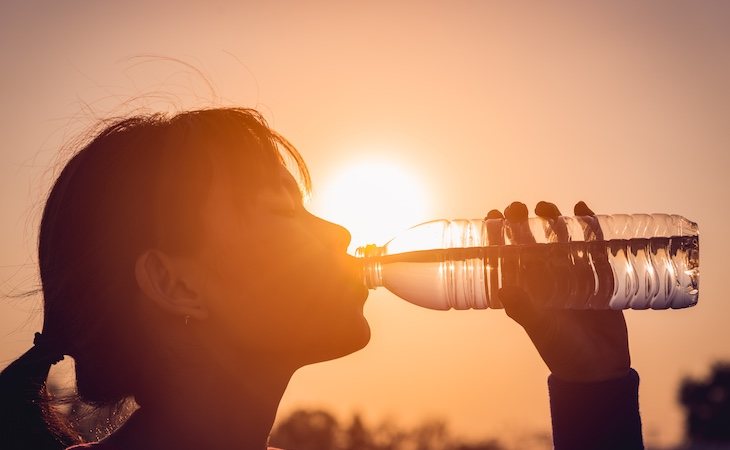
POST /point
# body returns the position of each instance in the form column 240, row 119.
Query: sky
column 470, row 106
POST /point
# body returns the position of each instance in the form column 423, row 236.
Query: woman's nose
column 334, row 234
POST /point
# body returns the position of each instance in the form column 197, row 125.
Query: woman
column 180, row 268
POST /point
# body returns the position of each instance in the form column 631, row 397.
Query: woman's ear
column 170, row 283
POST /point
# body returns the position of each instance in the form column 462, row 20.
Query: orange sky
column 624, row 105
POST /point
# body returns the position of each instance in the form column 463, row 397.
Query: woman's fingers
column 547, row 210
column 516, row 212
column 494, row 214
column 517, row 227
column 581, row 209
column 591, row 227
column 517, row 269
column 495, row 239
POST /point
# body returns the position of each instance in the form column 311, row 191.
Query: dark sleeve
column 597, row 416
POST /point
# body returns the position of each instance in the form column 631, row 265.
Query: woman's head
column 160, row 221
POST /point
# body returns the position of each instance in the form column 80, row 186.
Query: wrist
column 596, row 415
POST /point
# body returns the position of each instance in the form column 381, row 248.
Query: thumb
column 518, row 306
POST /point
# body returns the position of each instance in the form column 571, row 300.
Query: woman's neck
column 228, row 402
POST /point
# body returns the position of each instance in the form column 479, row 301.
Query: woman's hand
column 577, row 345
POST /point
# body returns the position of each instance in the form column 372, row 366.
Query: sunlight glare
column 375, row 200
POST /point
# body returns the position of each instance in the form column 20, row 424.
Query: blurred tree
column 388, row 436
column 486, row 445
column 707, row 409
column 532, row 441
column 308, row 430
column 317, row 429
column 431, row 435
column 358, row 437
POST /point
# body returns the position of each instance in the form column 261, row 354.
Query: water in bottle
column 635, row 261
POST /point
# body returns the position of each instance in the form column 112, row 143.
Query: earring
column 187, row 320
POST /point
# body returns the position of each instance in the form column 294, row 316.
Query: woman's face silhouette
column 278, row 281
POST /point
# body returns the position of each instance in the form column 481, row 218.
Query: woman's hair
column 140, row 183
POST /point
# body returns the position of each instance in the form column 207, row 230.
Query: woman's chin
column 355, row 338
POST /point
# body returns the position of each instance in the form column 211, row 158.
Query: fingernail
column 494, row 214
column 515, row 212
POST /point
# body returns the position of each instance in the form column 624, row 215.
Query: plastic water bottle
column 620, row 261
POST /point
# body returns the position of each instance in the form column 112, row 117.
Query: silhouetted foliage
column 707, row 406
column 316, row 429
column 488, row 445
column 308, row 430
column 358, row 437
column 431, row 435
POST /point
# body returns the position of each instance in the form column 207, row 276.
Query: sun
column 375, row 200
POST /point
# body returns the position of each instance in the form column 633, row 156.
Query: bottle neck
column 372, row 270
